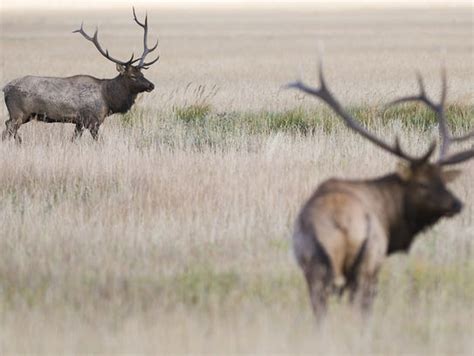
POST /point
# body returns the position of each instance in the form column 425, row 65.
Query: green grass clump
column 417, row 116
column 291, row 120
column 306, row 121
column 201, row 126
column 193, row 114
column 199, row 107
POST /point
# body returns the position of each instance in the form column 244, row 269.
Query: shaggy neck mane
column 118, row 94
column 403, row 221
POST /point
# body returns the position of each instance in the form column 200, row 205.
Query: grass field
column 172, row 234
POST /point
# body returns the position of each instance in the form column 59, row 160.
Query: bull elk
column 347, row 227
column 82, row 99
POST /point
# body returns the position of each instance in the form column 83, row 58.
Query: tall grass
column 204, row 126
column 173, row 236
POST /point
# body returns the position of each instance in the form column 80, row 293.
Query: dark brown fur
column 83, row 100
column 347, row 227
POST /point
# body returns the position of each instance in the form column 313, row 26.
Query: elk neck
column 401, row 220
column 118, row 94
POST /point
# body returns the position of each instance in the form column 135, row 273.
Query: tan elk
column 347, row 227
column 82, row 100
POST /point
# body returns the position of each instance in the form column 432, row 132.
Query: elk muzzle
column 450, row 204
column 455, row 208
column 150, row 87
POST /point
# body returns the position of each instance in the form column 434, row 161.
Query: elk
column 81, row 99
column 347, row 227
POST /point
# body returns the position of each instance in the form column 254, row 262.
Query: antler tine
column 420, row 97
column 95, row 40
column 439, row 108
column 148, row 64
column 463, row 138
column 146, row 50
column 135, row 17
column 325, row 95
column 444, row 131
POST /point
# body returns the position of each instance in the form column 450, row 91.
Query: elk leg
column 12, row 127
column 363, row 292
column 77, row 131
column 7, row 132
column 94, row 130
column 318, row 277
column 15, row 120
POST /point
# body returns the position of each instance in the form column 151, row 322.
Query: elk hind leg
column 316, row 266
column 8, row 130
column 12, row 126
column 318, row 276
column 364, row 293
column 17, row 118
column 362, row 276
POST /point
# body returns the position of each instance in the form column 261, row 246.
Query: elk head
column 427, row 197
column 128, row 70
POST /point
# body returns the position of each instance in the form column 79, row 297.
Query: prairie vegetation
column 172, row 233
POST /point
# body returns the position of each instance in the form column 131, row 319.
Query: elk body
column 82, row 99
column 348, row 227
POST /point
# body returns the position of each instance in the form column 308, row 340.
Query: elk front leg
column 94, row 130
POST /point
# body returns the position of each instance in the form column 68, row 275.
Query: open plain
column 172, row 234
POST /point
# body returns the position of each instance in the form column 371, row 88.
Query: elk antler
column 325, row 95
column 96, row 43
column 146, row 50
column 439, row 108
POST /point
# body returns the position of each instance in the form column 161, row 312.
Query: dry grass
column 172, row 235
column 138, row 245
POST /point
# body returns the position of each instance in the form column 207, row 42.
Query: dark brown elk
column 348, row 227
column 82, row 100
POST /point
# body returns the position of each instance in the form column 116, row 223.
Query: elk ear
column 451, row 175
column 404, row 171
column 121, row 69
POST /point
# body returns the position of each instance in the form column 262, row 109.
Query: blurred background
column 248, row 50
